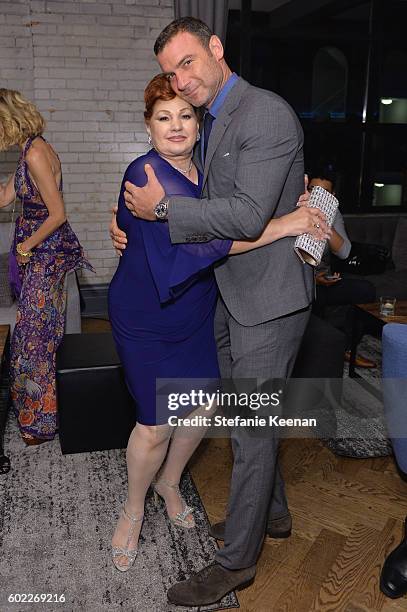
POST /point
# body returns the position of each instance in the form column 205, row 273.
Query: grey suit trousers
column 262, row 352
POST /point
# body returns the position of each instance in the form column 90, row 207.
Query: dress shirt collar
column 220, row 98
column 218, row 102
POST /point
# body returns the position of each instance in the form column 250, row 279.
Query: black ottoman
column 96, row 411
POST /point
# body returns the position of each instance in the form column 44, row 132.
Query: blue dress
column 162, row 300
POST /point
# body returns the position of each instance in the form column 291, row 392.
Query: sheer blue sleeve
column 173, row 267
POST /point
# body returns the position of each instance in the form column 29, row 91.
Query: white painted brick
column 40, row 28
column 66, row 115
column 84, row 226
column 68, row 136
column 84, row 126
column 41, row 73
column 82, row 105
column 67, row 158
column 17, row 54
column 100, row 137
column 37, row 6
column 110, row 187
column 109, row 147
column 13, row 8
column 98, row 116
column 52, row 106
column 105, row 253
column 107, row 244
column 14, row 19
column 63, row 73
column 74, row 60
column 91, row 245
column 7, row 41
column 111, row 157
column 80, row 19
column 49, row 18
column 75, row 84
column 90, row 52
column 51, row 62
column 71, row 94
column 76, row 28
column 122, row 9
column 48, row 83
column 17, row 30
column 96, row 9
column 86, row 146
column 63, row 7
column 60, row 51
column 97, row 235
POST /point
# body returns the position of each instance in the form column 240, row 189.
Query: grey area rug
column 362, row 431
column 57, row 514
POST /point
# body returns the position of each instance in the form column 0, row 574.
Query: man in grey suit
column 252, row 149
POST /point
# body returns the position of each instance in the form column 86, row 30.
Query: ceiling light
column 386, row 101
column 379, row 184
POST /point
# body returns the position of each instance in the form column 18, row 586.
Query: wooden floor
column 348, row 514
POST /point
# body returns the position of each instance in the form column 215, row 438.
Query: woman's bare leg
column 185, row 441
column 146, row 450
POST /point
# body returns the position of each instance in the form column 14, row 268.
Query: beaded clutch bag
column 308, row 248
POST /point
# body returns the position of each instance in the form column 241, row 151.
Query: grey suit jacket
column 253, row 171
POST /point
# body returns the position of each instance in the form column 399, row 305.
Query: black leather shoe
column 278, row 528
column 393, row 579
column 210, row 585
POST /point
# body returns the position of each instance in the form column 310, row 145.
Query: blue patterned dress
column 41, row 311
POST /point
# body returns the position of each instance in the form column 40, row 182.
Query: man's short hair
column 194, row 26
column 324, row 175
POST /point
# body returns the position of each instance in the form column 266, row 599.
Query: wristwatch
column 161, row 210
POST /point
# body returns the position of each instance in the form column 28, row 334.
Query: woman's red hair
column 159, row 88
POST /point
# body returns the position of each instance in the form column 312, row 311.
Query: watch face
column 161, row 210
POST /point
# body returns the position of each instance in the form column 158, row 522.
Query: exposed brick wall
column 85, row 64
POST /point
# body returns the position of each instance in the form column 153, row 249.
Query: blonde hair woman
column 44, row 248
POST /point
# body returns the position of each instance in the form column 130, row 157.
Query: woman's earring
column 149, row 139
column 198, row 138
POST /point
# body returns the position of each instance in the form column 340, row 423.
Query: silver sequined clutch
column 308, row 248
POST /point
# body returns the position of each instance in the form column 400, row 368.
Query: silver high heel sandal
column 129, row 553
column 181, row 518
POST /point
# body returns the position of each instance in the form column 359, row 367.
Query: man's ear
column 216, row 47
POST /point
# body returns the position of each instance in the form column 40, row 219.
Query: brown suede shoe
column 278, row 528
column 209, row 585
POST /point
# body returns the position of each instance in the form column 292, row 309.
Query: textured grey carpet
column 57, row 514
column 362, row 431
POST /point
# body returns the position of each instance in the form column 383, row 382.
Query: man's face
column 195, row 72
column 317, row 182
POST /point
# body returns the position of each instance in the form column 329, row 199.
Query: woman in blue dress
column 162, row 302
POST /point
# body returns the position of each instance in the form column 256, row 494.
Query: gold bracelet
column 21, row 252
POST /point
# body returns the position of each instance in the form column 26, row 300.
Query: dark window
column 343, row 68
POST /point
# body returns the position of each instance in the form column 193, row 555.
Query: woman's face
column 173, row 127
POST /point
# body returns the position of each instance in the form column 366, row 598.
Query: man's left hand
column 141, row 201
